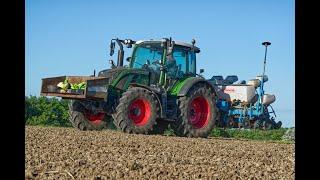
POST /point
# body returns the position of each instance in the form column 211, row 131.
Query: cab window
column 192, row 62
column 147, row 54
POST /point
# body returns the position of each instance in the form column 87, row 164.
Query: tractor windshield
column 150, row 53
column 147, row 53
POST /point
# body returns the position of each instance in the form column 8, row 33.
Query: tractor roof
column 176, row 42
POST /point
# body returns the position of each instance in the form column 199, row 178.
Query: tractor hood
column 111, row 73
column 121, row 77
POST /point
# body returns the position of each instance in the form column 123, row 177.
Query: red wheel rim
column 95, row 119
column 139, row 111
column 199, row 112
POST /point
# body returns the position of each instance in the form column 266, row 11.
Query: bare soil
column 66, row 153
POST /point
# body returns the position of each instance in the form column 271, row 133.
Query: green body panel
column 174, row 91
column 127, row 76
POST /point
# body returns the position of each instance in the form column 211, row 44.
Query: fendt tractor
column 160, row 87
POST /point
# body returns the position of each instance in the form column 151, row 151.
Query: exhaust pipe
column 120, row 54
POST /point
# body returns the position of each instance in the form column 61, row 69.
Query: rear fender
column 190, row 82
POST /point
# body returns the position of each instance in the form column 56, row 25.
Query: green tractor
column 159, row 87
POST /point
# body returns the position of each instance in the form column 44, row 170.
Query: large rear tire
column 137, row 111
column 84, row 119
column 197, row 112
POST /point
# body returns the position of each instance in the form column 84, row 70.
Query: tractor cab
column 153, row 55
column 165, row 60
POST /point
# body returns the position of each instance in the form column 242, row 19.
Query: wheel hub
column 95, row 119
column 139, row 111
column 199, row 112
column 136, row 111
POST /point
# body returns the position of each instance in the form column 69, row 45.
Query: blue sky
column 72, row 38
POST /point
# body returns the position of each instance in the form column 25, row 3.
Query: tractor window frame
column 136, row 47
column 191, row 63
column 181, row 58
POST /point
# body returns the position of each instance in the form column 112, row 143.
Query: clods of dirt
column 66, row 153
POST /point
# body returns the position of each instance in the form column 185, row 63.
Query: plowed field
column 66, row 153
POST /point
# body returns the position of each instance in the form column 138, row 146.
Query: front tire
column 137, row 111
column 84, row 119
column 197, row 112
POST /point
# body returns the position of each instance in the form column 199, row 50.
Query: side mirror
column 201, row 71
column 112, row 46
column 128, row 59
